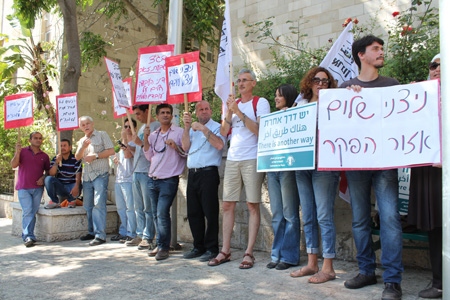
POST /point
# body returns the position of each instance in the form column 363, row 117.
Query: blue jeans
column 125, row 208
column 94, row 202
column 317, row 191
column 143, row 205
column 162, row 193
column 284, row 203
column 57, row 191
column 385, row 185
column 30, row 200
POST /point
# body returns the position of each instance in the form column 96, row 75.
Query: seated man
column 64, row 182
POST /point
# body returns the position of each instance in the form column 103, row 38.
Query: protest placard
column 151, row 81
column 117, row 83
column 119, row 111
column 67, row 112
column 287, row 139
column 18, row 110
column 379, row 128
column 183, row 77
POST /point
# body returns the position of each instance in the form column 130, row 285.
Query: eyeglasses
column 243, row 80
column 433, row 66
column 126, row 126
column 317, row 80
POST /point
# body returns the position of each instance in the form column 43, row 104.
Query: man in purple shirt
column 32, row 163
column 167, row 161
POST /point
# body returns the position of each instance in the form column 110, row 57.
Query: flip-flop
column 247, row 264
column 215, row 262
column 321, row 277
column 304, row 272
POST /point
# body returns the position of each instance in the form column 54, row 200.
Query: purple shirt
column 165, row 161
column 31, row 168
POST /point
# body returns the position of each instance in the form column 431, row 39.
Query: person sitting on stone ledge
column 64, row 182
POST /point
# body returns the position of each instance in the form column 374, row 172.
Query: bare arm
column 15, row 162
column 185, row 139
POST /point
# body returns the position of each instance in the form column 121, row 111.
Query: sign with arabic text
column 287, row 139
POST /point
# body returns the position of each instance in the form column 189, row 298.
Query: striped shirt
column 68, row 170
column 99, row 141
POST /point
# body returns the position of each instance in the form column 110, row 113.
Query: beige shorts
column 239, row 174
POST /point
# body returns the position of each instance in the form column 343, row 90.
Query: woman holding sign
column 284, row 202
column 425, row 206
column 317, row 191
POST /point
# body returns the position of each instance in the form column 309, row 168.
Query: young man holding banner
column 369, row 56
column 243, row 118
column 32, row 163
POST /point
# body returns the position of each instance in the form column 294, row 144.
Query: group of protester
column 150, row 161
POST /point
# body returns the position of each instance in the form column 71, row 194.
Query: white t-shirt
column 243, row 143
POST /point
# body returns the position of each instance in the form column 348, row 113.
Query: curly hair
column 306, row 84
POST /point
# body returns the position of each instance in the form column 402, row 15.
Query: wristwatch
column 96, row 155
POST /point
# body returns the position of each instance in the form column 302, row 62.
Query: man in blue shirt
column 64, row 182
column 203, row 143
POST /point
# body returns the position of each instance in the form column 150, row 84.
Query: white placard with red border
column 151, row 80
column 18, row 110
column 183, row 77
column 118, row 110
column 67, row 112
column 117, row 83
column 379, row 128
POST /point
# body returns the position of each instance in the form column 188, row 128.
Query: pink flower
column 348, row 20
column 395, row 13
column 47, row 106
column 355, row 21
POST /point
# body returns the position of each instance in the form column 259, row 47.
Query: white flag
column 222, row 85
column 339, row 60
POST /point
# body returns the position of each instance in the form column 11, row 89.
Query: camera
column 121, row 144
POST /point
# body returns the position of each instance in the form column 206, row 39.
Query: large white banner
column 287, row 139
column 379, row 128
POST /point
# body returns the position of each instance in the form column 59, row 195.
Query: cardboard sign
column 67, row 112
column 287, row 139
column 151, row 80
column 379, row 128
column 18, row 110
column 183, row 75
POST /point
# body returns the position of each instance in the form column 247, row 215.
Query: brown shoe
column 134, row 242
column 144, row 245
column 162, row 254
column 153, row 252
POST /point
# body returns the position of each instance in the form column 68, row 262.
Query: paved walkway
column 74, row 270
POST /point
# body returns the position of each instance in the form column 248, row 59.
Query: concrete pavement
column 74, row 270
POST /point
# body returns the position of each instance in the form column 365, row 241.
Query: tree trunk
column 72, row 70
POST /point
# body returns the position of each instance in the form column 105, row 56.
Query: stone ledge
column 5, row 208
column 62, row 223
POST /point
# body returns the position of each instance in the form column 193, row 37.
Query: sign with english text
column 18, row 110
column 379, row 128
column 183, row 77
column 119, row 111
column 67, row 112
column 151, row 80
column 117, row 83
column 287, row 139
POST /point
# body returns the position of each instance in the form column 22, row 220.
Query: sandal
column 215, row 262
column 247, row 264
column 305, row 271
column 321, row 277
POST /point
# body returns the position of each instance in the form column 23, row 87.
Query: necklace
column 164, row 139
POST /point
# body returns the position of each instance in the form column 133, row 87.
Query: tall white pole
column 444, row 23
column 174, row 37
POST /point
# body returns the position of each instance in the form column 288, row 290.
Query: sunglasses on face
column 317, row 80
column 433, row 66
column 126, row 126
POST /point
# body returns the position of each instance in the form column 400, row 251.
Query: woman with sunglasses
column 284, row 202
column 425, row 206
column 317, row 191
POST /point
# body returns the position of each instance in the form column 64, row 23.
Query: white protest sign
column 18, row 109
column 287, row 139
column 404, row 177
column 379, row 128
column 120, row 111
column 117, row 83
column 183, row 79
column 67, row 111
